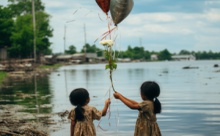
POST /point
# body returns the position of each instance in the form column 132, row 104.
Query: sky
column 192, row 25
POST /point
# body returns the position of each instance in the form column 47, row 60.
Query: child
column 146, row 124
column 83, row 115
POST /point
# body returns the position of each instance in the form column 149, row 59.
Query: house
column 78, row 57
column 64, row 58
column 183, row 57
column 48, row 59
column 154, row 57
column 85, row 57
column 91, row 57
column 124, row 60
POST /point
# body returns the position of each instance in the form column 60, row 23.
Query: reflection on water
column 33, row 93
column 190, row 98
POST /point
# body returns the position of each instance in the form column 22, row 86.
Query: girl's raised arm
column 128, row 102
column 107, row 102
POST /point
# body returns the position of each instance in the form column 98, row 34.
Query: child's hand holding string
column 108, row 101
column 117, row 95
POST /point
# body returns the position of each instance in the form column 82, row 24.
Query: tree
column 22, row 38
column 72, row 50
column 164, row 55
column 184, row 52
column 22, row 35
column 147, row 55
column 22, row 7
column 89, row 48
column 6, row 26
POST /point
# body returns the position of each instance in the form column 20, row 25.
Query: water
column 189, row 97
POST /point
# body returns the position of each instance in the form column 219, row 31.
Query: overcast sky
column 192, row 25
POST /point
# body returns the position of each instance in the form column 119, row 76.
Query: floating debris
column 189, row 67
column 216, row 65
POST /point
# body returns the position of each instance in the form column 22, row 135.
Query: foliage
column 72, row 50
column 184, row 52
column 164, row 55
column 135, row 53
column 207, row 55
column 110, row 56
column 89, row 48
column 22, row 7
column 6, row 26
column 2, row 76
column 22, row 37
column 50, row 66
column 22, row 34
column 92, row 49
column 142, row 54
column 111, row 59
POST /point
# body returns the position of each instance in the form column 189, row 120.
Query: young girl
column 146, row 124
column 82, row 115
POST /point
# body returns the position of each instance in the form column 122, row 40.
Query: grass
column 2, row 76
column 50, row 66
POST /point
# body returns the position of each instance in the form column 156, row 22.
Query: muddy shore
column 14, row 121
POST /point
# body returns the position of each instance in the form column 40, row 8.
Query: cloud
column 154, row 24
column 171, row 30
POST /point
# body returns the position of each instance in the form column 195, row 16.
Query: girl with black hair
column 82, row 115
column 146, row 124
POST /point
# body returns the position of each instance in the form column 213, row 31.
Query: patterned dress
column 146, row 124
column 86, row 127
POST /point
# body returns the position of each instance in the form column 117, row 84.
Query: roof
column 182, row 56
column 64, row 57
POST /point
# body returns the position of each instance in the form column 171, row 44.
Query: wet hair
column 151, row 91
column 78, row 98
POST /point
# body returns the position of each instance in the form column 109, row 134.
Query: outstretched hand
column 117, row 95
column 108, row 101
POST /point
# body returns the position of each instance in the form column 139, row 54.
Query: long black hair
column 151, row 91
column 78, row 98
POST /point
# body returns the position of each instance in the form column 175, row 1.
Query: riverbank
column 3, row 75
column 15, row 122
column 22, row 74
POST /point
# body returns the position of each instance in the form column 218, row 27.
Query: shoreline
column 18, row 123
column 4, row 75
column 15, row 120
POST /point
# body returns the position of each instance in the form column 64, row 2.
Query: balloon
column 104, row 5
column 120, row 9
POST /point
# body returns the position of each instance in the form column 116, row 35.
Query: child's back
column 146, row 124
column 86, row 127
column 82, row 115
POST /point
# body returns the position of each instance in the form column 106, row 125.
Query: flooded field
column 189, row 97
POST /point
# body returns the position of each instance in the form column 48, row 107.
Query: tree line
column 139, row 53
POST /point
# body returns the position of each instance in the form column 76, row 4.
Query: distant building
column 124, row 60
column 154, row 57
column 64, row 58
column 183, row 57
column 91, row 57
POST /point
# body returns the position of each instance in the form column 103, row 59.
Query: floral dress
column 146, row 124
column 86, row 127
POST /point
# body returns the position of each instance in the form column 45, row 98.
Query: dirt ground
column 15, row 123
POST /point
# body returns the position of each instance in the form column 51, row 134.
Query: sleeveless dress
column 146, row 124
column 86, row 127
